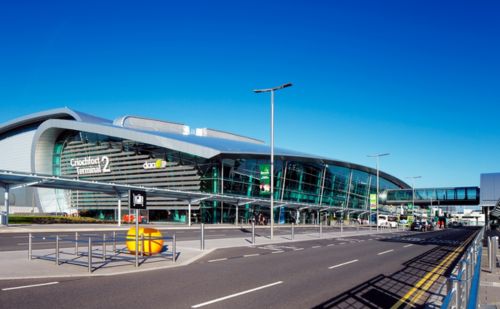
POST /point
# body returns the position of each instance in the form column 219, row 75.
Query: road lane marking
column 342, row 243
column 236, row 294
column 408, row 246
column 277, row 251
column 384, row 252
column 298, row 249
column 314, row 247
column 342, row 264
column 329, row 245
column 249, row 255
column 426, row 282
column 217, row 260
column 216, row 235
column 30, row 286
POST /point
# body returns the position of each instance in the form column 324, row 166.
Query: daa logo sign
column 137, row 199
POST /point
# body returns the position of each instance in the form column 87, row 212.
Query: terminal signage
column 91, row 165
column 137, row 199
column 265, row 179
column 373, row 201
column 151, row 165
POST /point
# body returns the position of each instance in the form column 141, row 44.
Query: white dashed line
column 217, row 260
column 342, row 264
column 30, row 286
column 314, row 247
column 298, row 249
column 236, row 294
column 330, row 245
column 408, row 246
column 277, row 251
column 384, row 252
column 249, row 255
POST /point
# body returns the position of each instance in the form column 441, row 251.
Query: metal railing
column 97, row 249
column 463, row 285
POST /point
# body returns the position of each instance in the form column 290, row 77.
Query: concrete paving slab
column 16, row 265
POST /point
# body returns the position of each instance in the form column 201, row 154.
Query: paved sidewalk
column 489, row 289
column 16, row 265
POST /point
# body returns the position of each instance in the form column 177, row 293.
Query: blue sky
column 418, row 79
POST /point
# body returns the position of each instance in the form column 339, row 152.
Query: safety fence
column 98, row 251
column 463, row 285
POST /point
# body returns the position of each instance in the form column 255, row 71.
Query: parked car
column 389, row 221
column 455, row 224
column 421, row 226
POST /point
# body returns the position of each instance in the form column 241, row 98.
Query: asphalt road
column 19, row 241
column 356, row 272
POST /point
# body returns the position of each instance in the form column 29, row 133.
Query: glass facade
column 305, row 180
column 441, row 196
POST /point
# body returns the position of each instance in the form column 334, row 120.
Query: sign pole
column 136, row 237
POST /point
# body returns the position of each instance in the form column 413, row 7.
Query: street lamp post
column 413, row 189
column 378, row 155
column 272, row 90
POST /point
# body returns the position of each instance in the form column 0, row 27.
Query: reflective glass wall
column 96, row 157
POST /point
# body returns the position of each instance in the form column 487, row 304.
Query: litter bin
column 3, row 218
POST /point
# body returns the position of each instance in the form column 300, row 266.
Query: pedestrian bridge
column 432, row 196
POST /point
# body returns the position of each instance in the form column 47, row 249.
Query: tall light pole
column 272, row 90
column 413, row 189
column 378, row 155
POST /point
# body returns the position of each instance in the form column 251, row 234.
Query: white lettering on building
column 149, row 165
column 91, row 165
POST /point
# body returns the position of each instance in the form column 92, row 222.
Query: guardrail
column 463, row 286
column 92, row 247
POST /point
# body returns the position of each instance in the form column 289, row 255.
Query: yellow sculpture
column 153, row 243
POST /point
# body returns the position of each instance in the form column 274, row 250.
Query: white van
column 388, row 221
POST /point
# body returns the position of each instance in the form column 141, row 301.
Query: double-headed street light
column 378, row 155
column 413, row 189
column 272, row 90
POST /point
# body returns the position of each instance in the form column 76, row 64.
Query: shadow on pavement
column 384, row 291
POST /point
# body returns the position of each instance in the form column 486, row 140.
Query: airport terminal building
column 148, row 152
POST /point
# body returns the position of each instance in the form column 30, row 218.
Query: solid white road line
column 236, row 294
column 30, row 286
column 408, row 246
column 217, row 260
column 384, row 252
column 249, row 255
column 342, row 264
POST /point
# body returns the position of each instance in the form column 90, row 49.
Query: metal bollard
column 202, row 236
column 76, row 243
column 104, row 247
column 174, row 249
column 90, row 255
column 293, row 231
column 320, row 229
column 253, row 233
column 57, row 250
column 30, row 255
column 494, row 252
column 114, row 242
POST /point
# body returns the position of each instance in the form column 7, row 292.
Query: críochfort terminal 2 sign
column 91, row 165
